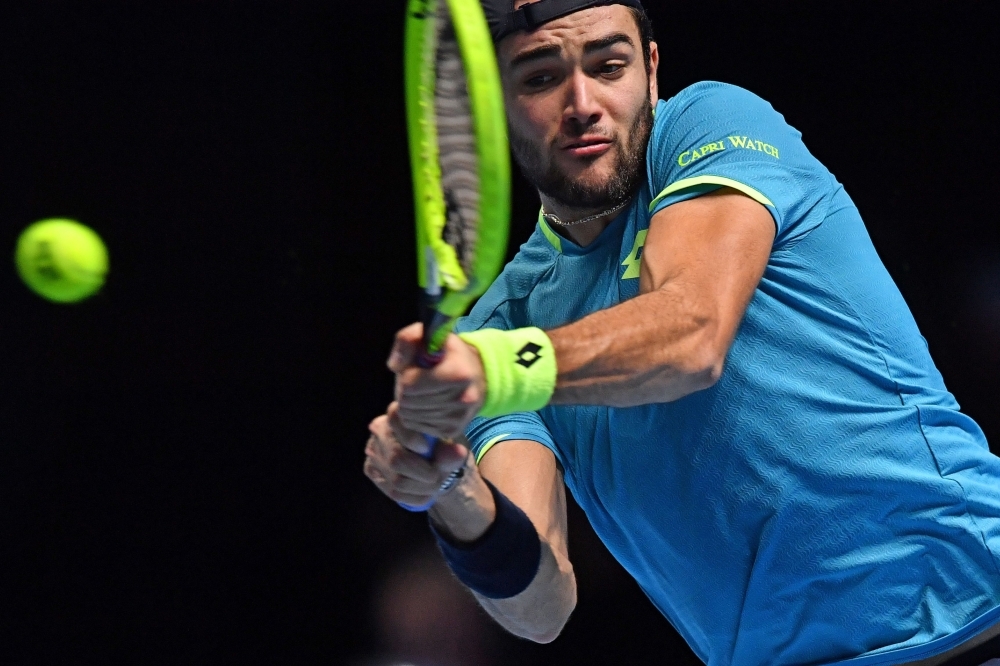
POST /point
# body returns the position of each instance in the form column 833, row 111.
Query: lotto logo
column 528, row 355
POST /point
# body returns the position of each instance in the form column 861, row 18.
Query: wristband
column 520, row 369
column 501, row 563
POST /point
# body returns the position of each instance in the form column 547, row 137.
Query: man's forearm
column 657, row 347
column 540, row 610
column 467, row 510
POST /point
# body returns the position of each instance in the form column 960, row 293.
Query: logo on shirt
column 743, row 142
column 634, row 260
column 753, row 144
column 528, row 355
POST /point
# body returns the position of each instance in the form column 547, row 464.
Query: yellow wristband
column 520, row 369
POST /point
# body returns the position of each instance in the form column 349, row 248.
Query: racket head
column 459, row 156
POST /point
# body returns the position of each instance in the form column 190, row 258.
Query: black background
column 180, row 457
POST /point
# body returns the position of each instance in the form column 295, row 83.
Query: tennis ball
column 61, row 260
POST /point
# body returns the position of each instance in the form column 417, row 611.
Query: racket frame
column 447, row 291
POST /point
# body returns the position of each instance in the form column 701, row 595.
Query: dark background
column 180, row 457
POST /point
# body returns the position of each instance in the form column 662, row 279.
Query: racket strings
column 456, row 145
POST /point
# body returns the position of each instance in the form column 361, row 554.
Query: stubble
column 626, row 176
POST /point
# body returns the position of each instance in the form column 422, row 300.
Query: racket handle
column 428, row 360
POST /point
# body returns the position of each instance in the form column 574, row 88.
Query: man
column 701, row 342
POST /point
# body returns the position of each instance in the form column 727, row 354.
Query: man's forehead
column 582, row 26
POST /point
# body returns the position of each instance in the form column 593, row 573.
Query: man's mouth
column 588, row 146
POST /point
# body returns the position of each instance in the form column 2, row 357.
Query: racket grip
column 428, row 360
column 431, row 444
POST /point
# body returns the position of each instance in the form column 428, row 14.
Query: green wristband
column 520, row 368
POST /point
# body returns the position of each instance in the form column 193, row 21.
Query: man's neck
column 582, row 234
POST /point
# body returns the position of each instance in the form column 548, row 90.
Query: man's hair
column 500, row 16
column 645, row 34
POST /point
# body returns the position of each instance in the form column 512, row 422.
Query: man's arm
column 701, row 263
column 526, row 472
column 523, row 471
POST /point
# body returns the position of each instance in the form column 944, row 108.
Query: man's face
column 579, row 104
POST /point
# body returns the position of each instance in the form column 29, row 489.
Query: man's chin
column 596, row 174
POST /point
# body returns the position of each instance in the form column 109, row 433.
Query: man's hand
column 442, row 400
column 394, row 463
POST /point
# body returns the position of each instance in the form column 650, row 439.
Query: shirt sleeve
column 714, row 135
column 484, row 434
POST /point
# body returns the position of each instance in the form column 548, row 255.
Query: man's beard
column 625, row 179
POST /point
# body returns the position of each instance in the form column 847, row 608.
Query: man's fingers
column 374, row 473
column 437, row 430
column 449, row 456
column 419, row 384
column 449, row 407
column 409, row 465
column 445, row 421
column 401, row 474
column 381, row 430
column 408, row 437
column 407, row 491
column 405, row 347
column 404, row 471
column 399, row 449
column 430, row 391
column 408, row 499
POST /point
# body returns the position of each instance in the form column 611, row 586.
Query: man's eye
column 539, row 80
column 610, row 68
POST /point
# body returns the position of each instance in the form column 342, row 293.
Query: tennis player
column 700, row 341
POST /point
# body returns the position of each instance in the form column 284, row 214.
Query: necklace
column 554, row 219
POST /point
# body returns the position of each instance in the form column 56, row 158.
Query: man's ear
column 654, row 65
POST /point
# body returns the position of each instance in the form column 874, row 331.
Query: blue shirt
column 826, row 500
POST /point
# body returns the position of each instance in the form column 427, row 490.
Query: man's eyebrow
column 549, row 50
column 537, row 53
column 605, row 42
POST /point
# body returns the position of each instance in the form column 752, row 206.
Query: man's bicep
column 713, row 250
column 528, row 474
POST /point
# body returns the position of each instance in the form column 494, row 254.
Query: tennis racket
column 460, row 161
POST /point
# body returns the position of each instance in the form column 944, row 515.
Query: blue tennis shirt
column 826, row 501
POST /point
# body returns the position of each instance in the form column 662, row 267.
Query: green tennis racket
column 460, row 160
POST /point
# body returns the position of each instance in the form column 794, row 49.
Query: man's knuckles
column 373, row 472
column 401, row 460
column 405, row 347
column 380, row 428
column 448, row 457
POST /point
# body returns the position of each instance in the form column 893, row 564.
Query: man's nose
column 582, row 107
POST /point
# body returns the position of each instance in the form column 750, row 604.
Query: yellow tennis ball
column 61, row 260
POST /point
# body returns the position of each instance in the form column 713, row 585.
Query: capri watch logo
column 634, row 260
column 729, row 143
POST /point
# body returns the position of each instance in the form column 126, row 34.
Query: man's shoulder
column 705, row 102
column 710, row 93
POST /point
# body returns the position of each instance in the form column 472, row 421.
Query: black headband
column 504, row 20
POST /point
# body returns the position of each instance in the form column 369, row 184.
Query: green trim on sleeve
column 710, row 180
column 549, row 234
column 489, row 445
